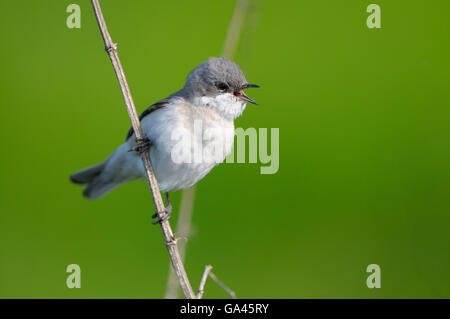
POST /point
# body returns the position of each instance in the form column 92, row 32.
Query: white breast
column 227, row 104
column 203, row 131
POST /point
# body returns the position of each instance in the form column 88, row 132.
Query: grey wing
column 156, row 106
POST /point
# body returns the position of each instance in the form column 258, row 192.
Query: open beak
column 245, row 97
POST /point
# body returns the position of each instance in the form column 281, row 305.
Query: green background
column 364, row 150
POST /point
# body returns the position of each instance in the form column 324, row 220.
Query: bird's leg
column 166, row 211
column 143, row 145
column 168, row 203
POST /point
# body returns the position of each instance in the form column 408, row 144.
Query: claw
column 142, row 146
column 166, row 212
column 160, row 220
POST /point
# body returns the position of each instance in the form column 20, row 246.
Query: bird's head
column 219, row 83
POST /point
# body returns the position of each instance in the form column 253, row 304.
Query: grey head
column 217, row 76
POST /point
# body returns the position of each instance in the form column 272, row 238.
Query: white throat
column 226, row 104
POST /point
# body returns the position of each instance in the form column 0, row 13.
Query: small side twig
column 208, row 272
column 201, row 288
column 224, row 287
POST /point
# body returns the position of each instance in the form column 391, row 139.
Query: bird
column 200, row 116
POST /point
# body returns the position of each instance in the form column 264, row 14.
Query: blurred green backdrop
column 364, row 150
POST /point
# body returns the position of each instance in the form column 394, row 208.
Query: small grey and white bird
column 212, row 97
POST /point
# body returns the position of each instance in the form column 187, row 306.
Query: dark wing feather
column 156, row 106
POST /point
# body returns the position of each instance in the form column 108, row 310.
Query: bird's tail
column 97, row 184
column 87, row 175
column 102, row 178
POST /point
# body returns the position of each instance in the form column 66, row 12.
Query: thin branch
column 187, row 196
column 183, row 232
column 201, row 288
column 234, row 29
column 224, row 287
column 207, row 272
column 169, row 237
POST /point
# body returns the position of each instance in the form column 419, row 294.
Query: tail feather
column 97, row 184
column 87, row 175
column 98, row 187
column 102, row 178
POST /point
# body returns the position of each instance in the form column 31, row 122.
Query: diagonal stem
column 221, row 284
column 201, row 288
column 169, row 237
column 207, row 272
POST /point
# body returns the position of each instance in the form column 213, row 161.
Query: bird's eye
column 222, row 86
